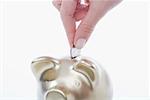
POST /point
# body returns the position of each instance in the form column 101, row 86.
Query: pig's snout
column 55, row 94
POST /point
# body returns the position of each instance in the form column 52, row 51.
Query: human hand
column 89, row 13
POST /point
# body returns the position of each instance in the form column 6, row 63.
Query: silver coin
column 75, row 52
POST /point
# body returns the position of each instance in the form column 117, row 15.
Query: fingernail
column 80, row 43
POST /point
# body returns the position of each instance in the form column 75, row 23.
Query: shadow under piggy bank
column 71, row 79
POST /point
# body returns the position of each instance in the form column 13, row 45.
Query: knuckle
column 66, row 14
column 54, row 2
column 87, row 28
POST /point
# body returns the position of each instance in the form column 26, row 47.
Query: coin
column 75, row 52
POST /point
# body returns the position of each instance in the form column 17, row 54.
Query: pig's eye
column 45, row 68
column 87, row 69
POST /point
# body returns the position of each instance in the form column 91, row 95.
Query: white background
column 32, row 29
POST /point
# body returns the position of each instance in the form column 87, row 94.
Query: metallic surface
column 71, row 79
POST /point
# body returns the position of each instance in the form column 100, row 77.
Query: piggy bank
column 71, row 79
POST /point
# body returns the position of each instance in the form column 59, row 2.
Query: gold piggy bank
column 71, row 79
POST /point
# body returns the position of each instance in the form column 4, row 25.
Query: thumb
column 86, row 27
column 96, row 11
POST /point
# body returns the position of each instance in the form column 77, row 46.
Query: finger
column 57, row 4
column 85, row 28
column 96, row 11
column 67, row 10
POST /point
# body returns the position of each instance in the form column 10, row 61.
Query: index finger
column 67, row 10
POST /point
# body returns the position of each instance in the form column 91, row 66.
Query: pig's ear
column 87, row 68
column 45, row 68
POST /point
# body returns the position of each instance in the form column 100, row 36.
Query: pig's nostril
column 55, row 95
